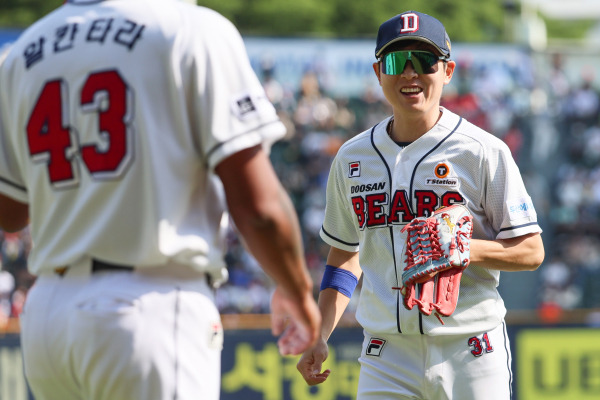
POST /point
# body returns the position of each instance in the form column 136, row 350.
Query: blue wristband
column 339, row 279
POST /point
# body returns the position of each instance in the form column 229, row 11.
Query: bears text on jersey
column 375, row 210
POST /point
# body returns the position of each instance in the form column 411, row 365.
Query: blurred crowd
column 15, row 281
column 550, row 122
column 571, row 273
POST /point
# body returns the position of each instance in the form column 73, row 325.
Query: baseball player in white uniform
column 421, row 158
column 126, row 128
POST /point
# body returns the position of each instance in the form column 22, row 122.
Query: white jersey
column 87, row 115
column 375, row 188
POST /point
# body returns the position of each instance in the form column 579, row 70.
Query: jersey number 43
column 55, row 142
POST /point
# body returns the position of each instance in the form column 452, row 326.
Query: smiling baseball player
column 424, row 205
column 127, row 127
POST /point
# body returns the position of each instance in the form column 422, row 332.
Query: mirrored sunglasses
column 422, row 61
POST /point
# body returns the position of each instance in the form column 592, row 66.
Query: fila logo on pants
column 375, row 346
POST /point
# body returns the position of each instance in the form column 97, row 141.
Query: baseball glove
column 437, row 252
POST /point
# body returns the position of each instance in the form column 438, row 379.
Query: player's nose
column 409, row 71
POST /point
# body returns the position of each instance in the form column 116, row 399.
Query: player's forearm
column 272, row 234
column 266, row 219
column 524, row 253
column 332, row 305
column 332, row 302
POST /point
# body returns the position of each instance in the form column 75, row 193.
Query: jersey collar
column 389, row 149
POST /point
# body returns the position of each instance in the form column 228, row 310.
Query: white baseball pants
column 453, row 367
column 121, row 336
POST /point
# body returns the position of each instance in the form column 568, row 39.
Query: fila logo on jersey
column 375, row 346
column 354, row 169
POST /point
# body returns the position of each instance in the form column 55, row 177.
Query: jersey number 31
column 105, row 99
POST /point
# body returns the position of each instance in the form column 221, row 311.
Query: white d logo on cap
column 410, row 23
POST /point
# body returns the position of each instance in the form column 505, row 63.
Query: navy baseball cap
column 413, row 25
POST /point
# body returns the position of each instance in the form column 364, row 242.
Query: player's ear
column 449, row 71
column 377, row 71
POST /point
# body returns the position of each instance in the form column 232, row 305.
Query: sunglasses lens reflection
column 423, row 62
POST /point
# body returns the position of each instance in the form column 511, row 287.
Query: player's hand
column 297, row 322
column 311, row 362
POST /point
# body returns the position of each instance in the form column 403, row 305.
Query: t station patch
column 442, row 178
column 375, row 346
column 442, row 170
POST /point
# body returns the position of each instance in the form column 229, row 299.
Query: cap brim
column 412, row 37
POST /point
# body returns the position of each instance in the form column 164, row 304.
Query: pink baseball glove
column 437, row 252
